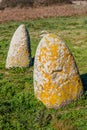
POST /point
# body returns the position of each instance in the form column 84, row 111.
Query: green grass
column 19, row 109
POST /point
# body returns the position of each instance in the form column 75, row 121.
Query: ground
column 16, row 14
column 19, row 108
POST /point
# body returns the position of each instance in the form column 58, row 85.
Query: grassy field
column 19, row 109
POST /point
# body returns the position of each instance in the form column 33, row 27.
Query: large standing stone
column 56, row 78
column 19, row 53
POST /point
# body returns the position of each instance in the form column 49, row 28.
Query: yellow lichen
column 53, row 99
column 44, row 96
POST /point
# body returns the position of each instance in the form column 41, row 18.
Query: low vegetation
column 31, row 3
column 19, row 109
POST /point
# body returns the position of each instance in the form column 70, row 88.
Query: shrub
column 13, row 3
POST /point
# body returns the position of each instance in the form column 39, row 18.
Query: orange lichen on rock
column 56, row 78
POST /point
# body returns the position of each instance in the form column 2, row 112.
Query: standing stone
column 19, row 53
column 56, row 78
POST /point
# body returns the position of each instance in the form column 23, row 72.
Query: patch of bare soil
column 17, row 14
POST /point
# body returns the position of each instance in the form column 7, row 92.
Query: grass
column 19, row 109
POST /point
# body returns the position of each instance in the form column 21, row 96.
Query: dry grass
column 17, row 14
column 63, row 124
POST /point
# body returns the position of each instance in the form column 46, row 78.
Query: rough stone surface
column 19, row 53
column 56, row 78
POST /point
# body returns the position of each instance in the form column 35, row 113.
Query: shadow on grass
column 32, row 62
column 84, row 81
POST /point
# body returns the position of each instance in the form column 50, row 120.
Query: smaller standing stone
column 19, row 54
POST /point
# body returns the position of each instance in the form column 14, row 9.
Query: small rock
column 43, row 33
column 56, row 77
column 19, row 54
